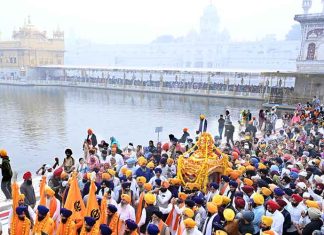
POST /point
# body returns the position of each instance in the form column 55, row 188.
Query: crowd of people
column 240, row 86
column 274, row 183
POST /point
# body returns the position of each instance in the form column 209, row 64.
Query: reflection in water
column 39, row 122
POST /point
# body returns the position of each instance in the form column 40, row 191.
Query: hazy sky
column 140, row 21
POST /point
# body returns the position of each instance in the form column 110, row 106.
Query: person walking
column 6, row 174
column 221, row 125
column 27, row 189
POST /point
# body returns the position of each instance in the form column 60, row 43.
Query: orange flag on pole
column 93, row 208
column 74, row 200
column 103, row 209
column 42, row 200
column 15, row 196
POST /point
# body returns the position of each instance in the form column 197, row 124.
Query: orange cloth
column 161, row 225
column 222, row 191
column 74, row 202
column 42, row 200
column 115, row 224
column 52, row 207
column 93, row 208
column 140, row 207
column 180, row 228
column 94, row 231
column 19, row 227
column 103, row 209
column 170, row 218
column 46, row 226
column 68, row 228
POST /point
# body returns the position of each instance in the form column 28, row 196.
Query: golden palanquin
column 201, row 161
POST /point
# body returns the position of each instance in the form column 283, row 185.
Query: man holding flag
column 67, row 225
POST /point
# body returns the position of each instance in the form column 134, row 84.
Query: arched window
column 311, row 51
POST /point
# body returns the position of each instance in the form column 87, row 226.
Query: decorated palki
column 203, row 163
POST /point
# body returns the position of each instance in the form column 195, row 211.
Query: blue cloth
column 258, row 211
column 147, row 173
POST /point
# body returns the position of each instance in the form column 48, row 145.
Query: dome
column 210, row 11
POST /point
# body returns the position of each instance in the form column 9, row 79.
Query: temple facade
column 29, row 48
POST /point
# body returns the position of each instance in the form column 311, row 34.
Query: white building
column 210, row 47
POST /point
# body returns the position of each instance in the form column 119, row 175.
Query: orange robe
column 46, row 226
column 173, row 227
column 94, row 231
column 68, row 228
column 19, row 227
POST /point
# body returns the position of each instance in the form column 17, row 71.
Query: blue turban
column 254, row 160
column 112, row 208
column 225, row 178
column 43, row 210
column 158, row 170
column 105, row 230
column 65, row 212
column 293, row 175
column 279, row 192
column 21, row 209
column 214, row 185
column 131, row 224
column 90, row 220
column 158, row 182
column 199, row 200
column 233, row 183
column 131, row 160
column 152, row 229
column 190, row 203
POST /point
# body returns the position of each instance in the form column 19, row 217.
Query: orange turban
column 234, row 175
column 182, row 196
column 126, row 197
column 170, row 161
column 148, row 186
column 212, row 207
column 265, row 191
column 189, row 223
column 106, row 176
column 248, row 182
column 188, row 212
column 64, row 175
column 165, row 184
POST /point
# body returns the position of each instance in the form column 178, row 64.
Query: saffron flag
column 103, row 209
column 42, row 200
column 74, row 200
column 15, row 196
column 93, row 208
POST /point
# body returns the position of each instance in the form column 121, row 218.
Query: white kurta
column 278, row 220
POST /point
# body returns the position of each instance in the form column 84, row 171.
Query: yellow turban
column 310, row 204
column 147, row 186
column 189, row 186
column 142, row 161
column 149, row 198
column 217, row 200
column 250, row 168
column 220, row 232
column 262, row 166
column 242, row 169
column 226, row 200
column 150, row 165
column 112, row 172
column 126, row 197
column 170, row 161
column 129, row 173
column 229, row 214
column 3, row 153
column 188, row 212
column 141, row 179
column 258, row 199
column 123, row 170
column 212, row 207
column 265, row 191
column 21, row 197
column 48, row 191
column 267, row 220
column 106, row 176
column 182, row 196
column 175, row 181
column 248, row 181
column 189, row 223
